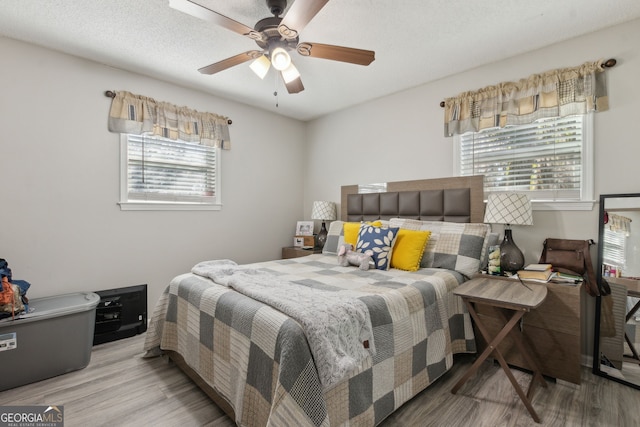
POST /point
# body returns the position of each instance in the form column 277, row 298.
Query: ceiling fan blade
column 230, row 62
column 294, row 86
column 298, row 16
column 337, row 53
column 197, row 10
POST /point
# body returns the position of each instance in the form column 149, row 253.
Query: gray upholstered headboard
column 459, row 199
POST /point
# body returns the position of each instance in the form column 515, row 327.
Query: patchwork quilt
column 260, row 361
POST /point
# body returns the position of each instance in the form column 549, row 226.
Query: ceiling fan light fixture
column 260, row 66
column 290, row 73
column 280, row 59
column 276, row 36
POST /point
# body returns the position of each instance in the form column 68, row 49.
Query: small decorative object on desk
column 494, row 261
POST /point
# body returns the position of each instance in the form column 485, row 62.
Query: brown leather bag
column 572, row 256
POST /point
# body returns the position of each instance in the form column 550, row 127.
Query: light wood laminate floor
column 120, row 388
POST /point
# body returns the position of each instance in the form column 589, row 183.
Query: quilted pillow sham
column 459, row 247
column 335, row 238
column 452, row 245
column 380, row 241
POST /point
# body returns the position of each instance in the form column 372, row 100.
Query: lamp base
column 321, row 237
column 511, row 258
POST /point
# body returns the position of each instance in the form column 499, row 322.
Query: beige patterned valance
column 555, row 93
column 619, row 224
column 138, row 114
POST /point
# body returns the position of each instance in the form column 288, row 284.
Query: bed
column 267, row 363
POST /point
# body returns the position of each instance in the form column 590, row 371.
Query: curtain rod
column 112, row 94
column 609, row 63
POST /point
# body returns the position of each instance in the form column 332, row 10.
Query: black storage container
column 121, row 313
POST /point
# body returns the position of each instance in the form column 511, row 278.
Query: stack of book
column 542, row 272
column 566, row 279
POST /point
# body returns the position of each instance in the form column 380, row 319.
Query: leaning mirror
column 617, row 317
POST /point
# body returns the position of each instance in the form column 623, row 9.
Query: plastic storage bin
column 56, row 337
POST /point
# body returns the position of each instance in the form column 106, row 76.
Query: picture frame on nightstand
column 304, row 228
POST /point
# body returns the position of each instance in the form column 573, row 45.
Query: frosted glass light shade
column 280, row 59
column 260, row 66
column 290, row 74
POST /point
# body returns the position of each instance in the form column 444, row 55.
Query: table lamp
column 509, row 209
column 324, row 211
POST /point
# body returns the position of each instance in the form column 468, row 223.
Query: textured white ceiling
column 416, row 41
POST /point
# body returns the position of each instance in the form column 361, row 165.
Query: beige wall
column 61, row 228
column 401, row 136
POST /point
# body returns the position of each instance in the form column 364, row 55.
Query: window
column 159, row 173
column 615, row 246
column 377, row 187
column 550, row 159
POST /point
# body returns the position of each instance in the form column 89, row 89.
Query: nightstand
column 294, row 252
column 511, row 300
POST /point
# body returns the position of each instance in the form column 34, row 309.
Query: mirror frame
column 596, row 338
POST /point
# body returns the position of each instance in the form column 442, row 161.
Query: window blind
column 161, row 169
column 543, row 158
column 614, row 248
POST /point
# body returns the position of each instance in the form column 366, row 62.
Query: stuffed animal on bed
column 347, row 256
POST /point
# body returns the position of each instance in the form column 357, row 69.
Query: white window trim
column 139, row 205
column 587, row 198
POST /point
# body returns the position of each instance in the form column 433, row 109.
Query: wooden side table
column 294, row 252
column 512, row 300
column 554, row 327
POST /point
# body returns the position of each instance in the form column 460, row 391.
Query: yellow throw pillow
column 409, row 248
column 351, row 231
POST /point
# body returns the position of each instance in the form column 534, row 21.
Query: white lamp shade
column 508, row 208
column 325, row 211
column 280, row 59
column 260, row 66
column 290, row 74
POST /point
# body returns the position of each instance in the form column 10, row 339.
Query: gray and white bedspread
column 259, row 359
column 336, row 323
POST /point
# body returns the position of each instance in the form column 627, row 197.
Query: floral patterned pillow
column 378, row 240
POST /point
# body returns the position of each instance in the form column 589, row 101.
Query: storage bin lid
column 62, row 304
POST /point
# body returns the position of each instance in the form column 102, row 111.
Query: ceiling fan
column 276, row 36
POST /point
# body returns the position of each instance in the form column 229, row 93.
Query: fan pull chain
column 275, row 85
